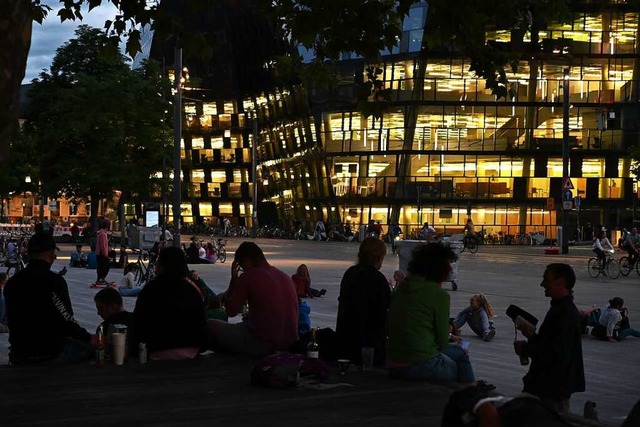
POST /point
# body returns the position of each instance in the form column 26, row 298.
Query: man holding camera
column 557, row 369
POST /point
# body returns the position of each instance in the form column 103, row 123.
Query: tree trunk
column 95, row 205
column 15, row 39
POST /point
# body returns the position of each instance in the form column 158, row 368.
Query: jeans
column 629, row 332
column 463, row 364
column 478, row 321
column 129, row 292
column 439, row 367
column 74, row 351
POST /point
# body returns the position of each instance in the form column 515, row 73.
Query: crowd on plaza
column 406, row 322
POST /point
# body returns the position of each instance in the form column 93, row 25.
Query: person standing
column 557, row 368
column 363, row 304
column 102, row 252
column 42, row 328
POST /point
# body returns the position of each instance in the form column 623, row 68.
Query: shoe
column 323, row 292
column 485, row 386
column 490, row 335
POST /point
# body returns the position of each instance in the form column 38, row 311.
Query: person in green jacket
column 418, row 322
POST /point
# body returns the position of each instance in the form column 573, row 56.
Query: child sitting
column 478, row 316
column 78, row 258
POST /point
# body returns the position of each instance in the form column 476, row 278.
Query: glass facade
column 446, row 149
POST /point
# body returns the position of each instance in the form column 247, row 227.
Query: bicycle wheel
column 464, row 246
column 594, row 267
column 638, row 267
column 625, row 268
column 473, row 247
column 223, row 255
column 613, row 268
column 138, row 273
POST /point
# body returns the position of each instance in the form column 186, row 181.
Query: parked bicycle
column 145, row 269
column 611, row 267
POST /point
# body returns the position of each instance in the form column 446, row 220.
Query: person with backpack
column 613, row 322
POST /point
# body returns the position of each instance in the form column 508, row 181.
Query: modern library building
column 444, row 149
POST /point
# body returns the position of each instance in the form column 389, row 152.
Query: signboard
column 567, row 184
column 577, row 201
column 152, row 218
column 53, row 205
column 567, row 195
column 567, row 205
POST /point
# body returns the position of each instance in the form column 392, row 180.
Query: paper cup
column 119, row 340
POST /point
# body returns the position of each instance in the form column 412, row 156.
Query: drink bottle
column 100, row 356
column 313, row 349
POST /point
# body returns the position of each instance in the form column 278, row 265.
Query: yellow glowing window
column 205, row 208
column 217, row 143
column 218, row 176
column 225, row 208
column 197, row 143
column 209, row 108
column 197, row 176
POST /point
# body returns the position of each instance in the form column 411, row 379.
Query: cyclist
column 469, row 232
column 631, row 244
column 600, row 245
column 394, row 232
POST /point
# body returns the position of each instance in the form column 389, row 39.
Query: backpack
column 285, row 370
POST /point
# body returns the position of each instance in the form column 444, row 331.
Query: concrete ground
column 506, row 274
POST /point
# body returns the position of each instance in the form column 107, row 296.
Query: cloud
column 49, row 36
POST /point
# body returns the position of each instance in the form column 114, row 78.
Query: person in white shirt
column 601, row 245
column 614, row 322
column 128, row 286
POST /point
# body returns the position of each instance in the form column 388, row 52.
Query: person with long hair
column 363, row 305
column 169, row 316
column 302, row 280
column 478, row 316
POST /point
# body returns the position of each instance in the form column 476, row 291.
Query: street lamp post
column 177, row 137
column 254, row 168
column 565, row 157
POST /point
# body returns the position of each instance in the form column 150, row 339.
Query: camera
column 524, row 321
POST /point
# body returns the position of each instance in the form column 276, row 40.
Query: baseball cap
column 41, row 242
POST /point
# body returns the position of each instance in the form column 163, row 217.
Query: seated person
column 92, row 259
column 363, row 305
column 304, row 318
column 272, row 323
column 210, row 253
column 202, row 255
column 192, row 253
column 38, row 298
column 418, row 325
column 78, row 258
column 211, row 301
column 3, row 322
column 169, row 316
column 111, row 309
column 427, row 231
column 302, row 280
column 478, row 316
column 128, row 287
column 613, row 322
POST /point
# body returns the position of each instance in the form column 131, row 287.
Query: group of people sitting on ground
column 409, row 330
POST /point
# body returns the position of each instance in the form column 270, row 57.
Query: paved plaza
column 506, row 274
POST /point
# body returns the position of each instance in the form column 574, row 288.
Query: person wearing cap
column 557, row 368
column 39, row 313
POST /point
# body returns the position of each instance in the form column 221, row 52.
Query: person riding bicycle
column 631, row 244
column 469, row 232
column 427, row 231
column 394, row 232
column 601, row 245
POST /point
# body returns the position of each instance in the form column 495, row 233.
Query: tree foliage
column 97, row 123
